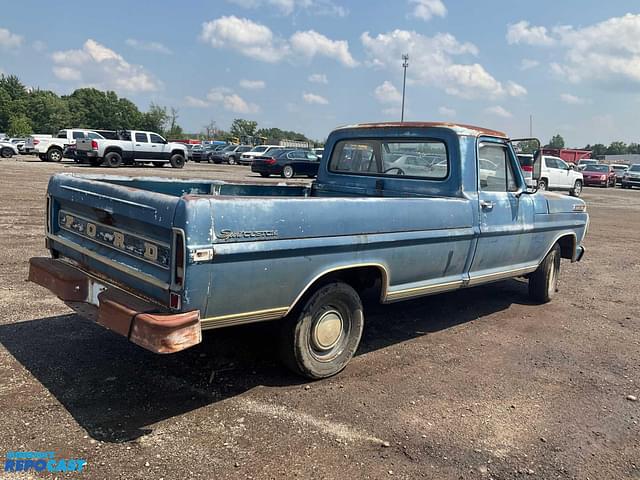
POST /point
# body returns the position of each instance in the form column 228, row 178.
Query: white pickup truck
column 133, row 146
column 51, row 149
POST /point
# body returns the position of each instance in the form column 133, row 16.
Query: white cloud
column 447, row 112
column 387, row 93
column 312, row 43
column 9, row 40
column 230, row 101
column 252, row 84
column 96, row 65
column 257, row 41
column 498, row 111
column 610, row 49
column 249, row 38
column 196, row 102
column 432, row 62
column 288, row 7
column 528, row 64
column 312, row 99
column 525, row 33
column 39, row 46
column 515, row 90
column 156, row 47
column 318, row 78
column 572, row 99
column 427, row 9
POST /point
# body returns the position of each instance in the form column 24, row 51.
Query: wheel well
column 54, row 147
column 370, row 278
column 567, row 246
column 114, row 150
column 179, row 152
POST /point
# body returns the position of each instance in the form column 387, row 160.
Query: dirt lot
column 472, row 384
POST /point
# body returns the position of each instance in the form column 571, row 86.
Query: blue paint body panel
column 268, row 244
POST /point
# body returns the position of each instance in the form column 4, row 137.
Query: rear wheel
column 43, row 157
column 577, row 189
column 288, row 171
column 543, row 283
column 6, row 152
column 113, row 160
column 177, row 161
column 232, row 160
column 542, row 184
column 318, row 340
column 54, row 155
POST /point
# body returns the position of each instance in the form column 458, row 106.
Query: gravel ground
column 473, row 384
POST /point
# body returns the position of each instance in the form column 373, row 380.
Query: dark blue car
column 287, row 163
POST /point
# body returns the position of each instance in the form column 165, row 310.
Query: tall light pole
column 405, row 64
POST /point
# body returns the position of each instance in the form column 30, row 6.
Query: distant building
column 627, row 158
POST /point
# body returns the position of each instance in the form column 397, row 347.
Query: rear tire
column 177, row 161
column 577, row 189
column 543, row 283
column 54, row 155
column 543, row 185
column 288, row 171
column 232, row 160
column 6, row 152
column 113, row 160
column 43, row 157
column 319, row 339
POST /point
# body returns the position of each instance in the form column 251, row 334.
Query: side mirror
column 537, row 165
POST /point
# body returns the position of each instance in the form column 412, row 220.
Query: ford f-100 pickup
column 400, row 209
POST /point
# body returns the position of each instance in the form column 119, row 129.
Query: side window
column 77, row 135
column 155, row 138
column 550, row 162
column 62, row 134
column 495, row 169
column 562, row 164
column 413, row 159
column 141, row 137
column 93, row 136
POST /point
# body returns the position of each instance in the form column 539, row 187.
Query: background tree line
column 25, row 111
column 599, row 150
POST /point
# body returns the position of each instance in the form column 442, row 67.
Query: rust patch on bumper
column 140, row 321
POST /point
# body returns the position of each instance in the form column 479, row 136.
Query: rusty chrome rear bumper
column 140, row 321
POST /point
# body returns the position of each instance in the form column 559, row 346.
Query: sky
column 311, row 65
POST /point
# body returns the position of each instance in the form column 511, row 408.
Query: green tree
column 48, row 112
column 556, row 141
column 617, row 148
column 241, row 127
column 19, row 126
column 155, row 119
column 634, row 148
column 598, row 150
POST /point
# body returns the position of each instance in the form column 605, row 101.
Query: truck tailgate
column 121, row 233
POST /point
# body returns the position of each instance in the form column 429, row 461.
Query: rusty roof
column 460, row 129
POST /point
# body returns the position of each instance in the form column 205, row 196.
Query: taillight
column 527, row 168
column 35, row 141
column 179, row 259
column 94, row 145
column 270, row 161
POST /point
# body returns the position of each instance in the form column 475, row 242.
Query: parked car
column 287, row 163
column 52, row 149
column 600, row 175
column 556, row 174
column 19, row 143
column 232, row 156
column 318, row 151
column 32, row 141
column 258, row 151
column 631, row 177
column 8, row 149
column 586, row 161
column 133, row 146
column 160, row 260
column 206, row 152
column 619, row 169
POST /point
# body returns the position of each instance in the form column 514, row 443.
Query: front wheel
column 543, row 283
column 577, row 189
column 113, row 160
column 318, row 340
column 232, row 160
column 177, row 161
column 54, row 155
column 6, row 152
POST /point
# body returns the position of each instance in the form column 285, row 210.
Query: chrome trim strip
column 118, row 229
column 492, row 277
column 246, row 317
column 422, row 291
column 118, row 266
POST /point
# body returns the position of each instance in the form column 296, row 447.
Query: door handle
column 487, row 204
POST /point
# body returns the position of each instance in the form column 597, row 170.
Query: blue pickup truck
column 400, row 209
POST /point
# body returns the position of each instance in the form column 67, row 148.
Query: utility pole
column 405, row 64
column 530, row 125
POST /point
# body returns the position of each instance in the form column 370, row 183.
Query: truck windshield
column 420, row 159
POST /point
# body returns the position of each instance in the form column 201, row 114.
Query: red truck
column 569, row 155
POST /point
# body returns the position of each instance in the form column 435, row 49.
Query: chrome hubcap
column 327, row 331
